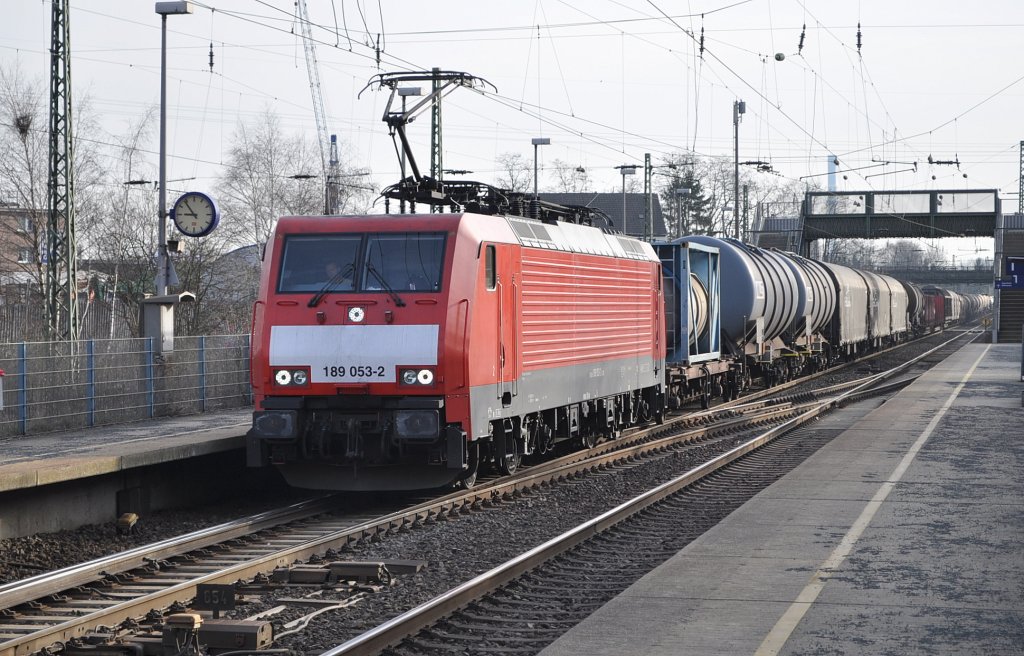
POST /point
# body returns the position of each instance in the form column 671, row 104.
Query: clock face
column 195, row 214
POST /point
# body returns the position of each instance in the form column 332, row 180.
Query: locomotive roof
column 566, row 237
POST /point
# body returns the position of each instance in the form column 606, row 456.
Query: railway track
column 54, row 608
column 525, row 603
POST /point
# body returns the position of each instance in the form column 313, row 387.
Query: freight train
column 413, row 351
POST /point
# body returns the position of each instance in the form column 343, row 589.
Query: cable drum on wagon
column 698, row 309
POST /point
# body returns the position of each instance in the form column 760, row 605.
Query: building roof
column 611, row 204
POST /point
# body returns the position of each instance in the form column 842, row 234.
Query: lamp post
column 625, row 169
column 164, row 9
column 738, row 109
column 405, row 92
column 537, row 141
column 682, row 192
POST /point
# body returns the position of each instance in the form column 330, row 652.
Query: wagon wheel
column 588, row 438
column 705, row 388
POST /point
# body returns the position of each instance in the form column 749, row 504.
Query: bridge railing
column 51, row 386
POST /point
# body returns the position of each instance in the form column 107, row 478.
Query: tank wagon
column 785, row 314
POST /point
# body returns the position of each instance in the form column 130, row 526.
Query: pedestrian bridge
column 942, row 276
column 896, row 214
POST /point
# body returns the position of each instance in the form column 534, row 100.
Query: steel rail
column 559, row 469
column 32, row 588
column 412, row 621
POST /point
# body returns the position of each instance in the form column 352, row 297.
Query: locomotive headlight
column 356, row 314
column 425, row 376
column 409, row 376
column 291, row 377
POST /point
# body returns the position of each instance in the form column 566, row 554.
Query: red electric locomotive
column 405, row 352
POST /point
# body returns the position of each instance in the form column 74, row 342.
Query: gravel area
column 454, row 550
column 459, row 549
column 45, row 552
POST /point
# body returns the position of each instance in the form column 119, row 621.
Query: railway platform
column 53, row 481
column 34, row 460
column 904, row 535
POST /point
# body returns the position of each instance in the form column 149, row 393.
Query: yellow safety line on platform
column 783, row 629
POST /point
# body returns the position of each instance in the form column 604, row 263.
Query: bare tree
column 356, row 192
column 568, row 178
column 901, row 254
column 514, row 173
column 267, row 176
column 23, row 174
column 124, row 237
column 270, row 174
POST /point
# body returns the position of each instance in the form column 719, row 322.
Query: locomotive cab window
column 312, row 262
column 403, row 261
column 395, row 262
column 490, row 270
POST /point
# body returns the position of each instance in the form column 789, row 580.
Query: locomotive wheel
column 508, row 451
column 468, row 479
column 509, row 462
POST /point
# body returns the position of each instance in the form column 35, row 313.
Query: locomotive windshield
column 393, row 262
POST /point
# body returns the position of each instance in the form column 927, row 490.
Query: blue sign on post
column 1015, row 272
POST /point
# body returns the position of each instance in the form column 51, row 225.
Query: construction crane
column 328, row 146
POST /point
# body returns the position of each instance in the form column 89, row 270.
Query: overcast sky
column 606, row 81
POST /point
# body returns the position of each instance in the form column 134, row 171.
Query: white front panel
column 353, row 354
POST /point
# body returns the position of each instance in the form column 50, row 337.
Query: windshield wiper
column 329, row 285
column 386, row 287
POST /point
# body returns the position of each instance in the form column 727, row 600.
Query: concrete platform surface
column 34, row 460
column 905, row 535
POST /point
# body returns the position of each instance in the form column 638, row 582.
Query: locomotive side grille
column 587, row 309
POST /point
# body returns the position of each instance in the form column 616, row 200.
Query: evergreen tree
column 689, row 213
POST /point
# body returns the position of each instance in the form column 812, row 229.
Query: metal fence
column 52, row 386
column 97, row 320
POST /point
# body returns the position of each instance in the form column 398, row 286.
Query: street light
column 625, row 169
column 164, row 9
column 681, row 192
column 537, row 141
column 738, row 109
